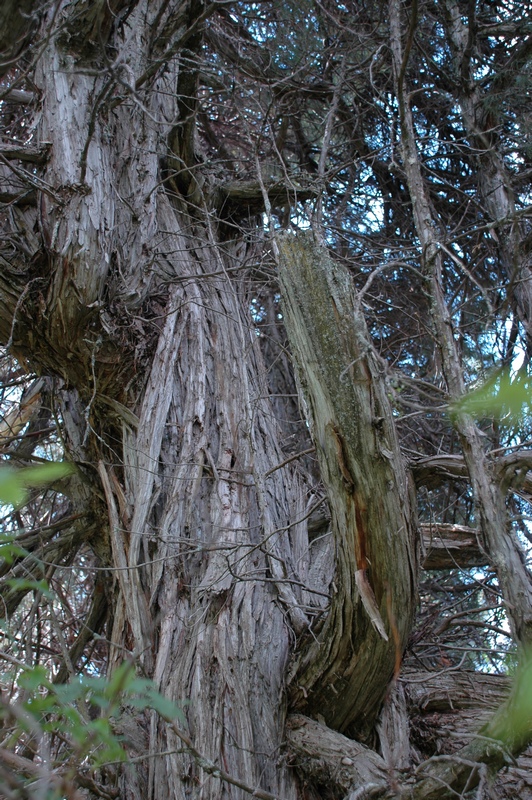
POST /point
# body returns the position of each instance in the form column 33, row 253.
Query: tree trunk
column 164, row 390
column 167, row 414
column 258, row 563
column 345, row 673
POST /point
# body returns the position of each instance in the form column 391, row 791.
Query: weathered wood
column 331, row 758
column 241, row 198
column 34, row 154
column 343, row 675
column 201, row 521
column 446, row 546
column 453, row 690
column 512, row 470
column 18, row 96
column 469, row 722
column 453, row 720
column 443, row 546
column 222, row 585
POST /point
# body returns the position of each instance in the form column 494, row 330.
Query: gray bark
column 449, row 716
column 222, row 583
column 207, row 589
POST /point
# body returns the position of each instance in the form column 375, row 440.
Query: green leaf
column 8, row 552
column 167, row 709
column 33, row 678
column 25, row 583
column 12, row 489
column 14, row 482
column 500, row 396
column 40, row 474
column 69, row 693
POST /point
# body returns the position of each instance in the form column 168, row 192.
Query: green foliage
column 502, row 396
column 66, row 710
column 79, row 717
column 521, row 707
column 512, row 723
column 14, row 483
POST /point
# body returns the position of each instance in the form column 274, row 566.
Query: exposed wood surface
column 446, row 546
column 343, row 675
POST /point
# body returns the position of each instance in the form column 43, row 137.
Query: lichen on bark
column 359, row 648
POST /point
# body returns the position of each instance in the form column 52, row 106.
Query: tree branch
column 35, row 154
column 16, row 22
column 449, row 546
column 343, row 384
column 328, row 757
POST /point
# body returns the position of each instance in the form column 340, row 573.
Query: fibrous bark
column 343, row 384
column 250, row 536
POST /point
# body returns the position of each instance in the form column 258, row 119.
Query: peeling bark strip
column 342, row 382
